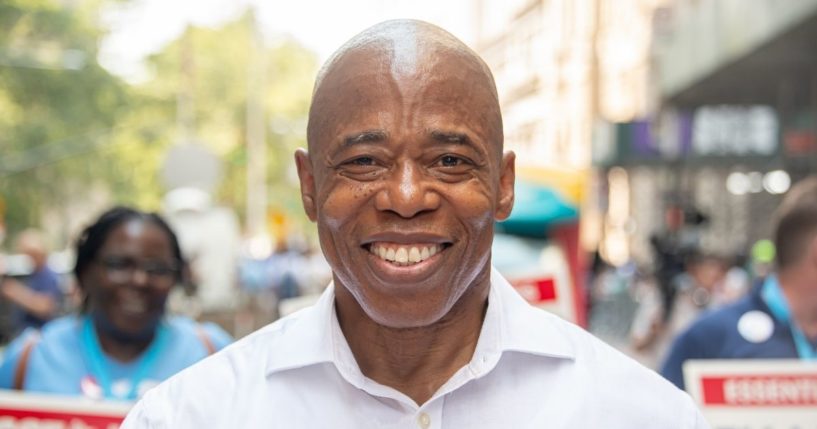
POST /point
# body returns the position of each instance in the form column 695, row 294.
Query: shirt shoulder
column 629, row 393
column 202, row 390
column 56, row 341
column 707, row 338
column 10, row 358
column 45, row 281
column 714, row 327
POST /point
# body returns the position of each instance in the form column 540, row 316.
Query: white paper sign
column 754, row 394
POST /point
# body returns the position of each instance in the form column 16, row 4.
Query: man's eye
column 363, row 160
column 361, row 168
column 450, row 161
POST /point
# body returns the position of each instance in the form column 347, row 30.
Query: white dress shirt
column 530, row 369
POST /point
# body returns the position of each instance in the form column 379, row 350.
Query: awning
column 536, row 208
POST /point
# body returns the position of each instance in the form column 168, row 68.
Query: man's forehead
column 405, row 54
column 397, row 61
column 402, row 60
column 365, row 90
column 401, row 42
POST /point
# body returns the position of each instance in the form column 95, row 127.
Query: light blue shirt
column 59, row 361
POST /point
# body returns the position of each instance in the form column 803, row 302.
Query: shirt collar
column 524, row 328
column 511, row 325
column 305, row 337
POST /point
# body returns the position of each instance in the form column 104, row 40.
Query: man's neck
column 414, row 361
column 801, row 296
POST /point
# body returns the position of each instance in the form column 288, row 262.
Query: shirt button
column 424, row 420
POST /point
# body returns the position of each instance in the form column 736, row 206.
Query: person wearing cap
column 405, row 175
column 778, row 319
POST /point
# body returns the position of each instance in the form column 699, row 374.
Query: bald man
column 404, row 177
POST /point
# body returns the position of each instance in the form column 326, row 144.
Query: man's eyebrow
column 368, row 136
column 451, row 137
column 457, row 138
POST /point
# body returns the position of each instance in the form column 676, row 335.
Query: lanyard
column 96, row 359
column 774, row 298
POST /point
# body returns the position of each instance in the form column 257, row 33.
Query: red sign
column 760, row 390
column 53, row 420
column 37, row 411
column 537, row 290
column 799, row 142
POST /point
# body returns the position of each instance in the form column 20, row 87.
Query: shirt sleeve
column 140, row 416
column 10, row 358
column 698, row 421
column 694, row 419
column 672, row 368
column 694, row 343
column 48, row 283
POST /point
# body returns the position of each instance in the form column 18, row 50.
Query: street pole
column 256, row 138
column 185, row 113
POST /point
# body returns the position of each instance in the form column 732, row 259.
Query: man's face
column 405, row 180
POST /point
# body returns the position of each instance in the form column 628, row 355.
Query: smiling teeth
column 405, row 255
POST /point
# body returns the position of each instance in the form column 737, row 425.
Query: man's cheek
column 474, row 206
column 335, row 210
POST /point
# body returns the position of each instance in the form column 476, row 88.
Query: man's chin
column 407, row 319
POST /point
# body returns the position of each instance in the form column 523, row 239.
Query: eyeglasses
column 120, row 270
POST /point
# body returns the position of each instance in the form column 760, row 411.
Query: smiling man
column 405, row 176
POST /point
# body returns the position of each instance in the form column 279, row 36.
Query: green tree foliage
column 56, row 105
column 212, row 67
column 72, row 134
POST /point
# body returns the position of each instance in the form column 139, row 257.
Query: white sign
column 539, row 271
column 754, row 394
column 191, row 165
column 735, row 130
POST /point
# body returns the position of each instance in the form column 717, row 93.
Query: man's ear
column 507, row 178
column 307, row 180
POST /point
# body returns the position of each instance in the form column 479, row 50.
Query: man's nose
column 407, row 193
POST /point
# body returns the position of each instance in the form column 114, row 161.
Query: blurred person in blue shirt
column 37, row 296
column 122, row 342
column 778, row 319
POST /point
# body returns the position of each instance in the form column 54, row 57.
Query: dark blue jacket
column 715, row 336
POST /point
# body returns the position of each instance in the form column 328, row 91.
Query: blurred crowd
column 130, row 301
column 126, row 312
column 689, row 304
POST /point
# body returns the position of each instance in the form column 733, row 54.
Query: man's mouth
column 405, row 254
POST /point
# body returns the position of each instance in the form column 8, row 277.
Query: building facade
column 735, row 122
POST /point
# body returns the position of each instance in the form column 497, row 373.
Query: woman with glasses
column 122, row 342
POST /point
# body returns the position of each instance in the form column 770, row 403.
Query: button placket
column 430, row 415
column 423, row 420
